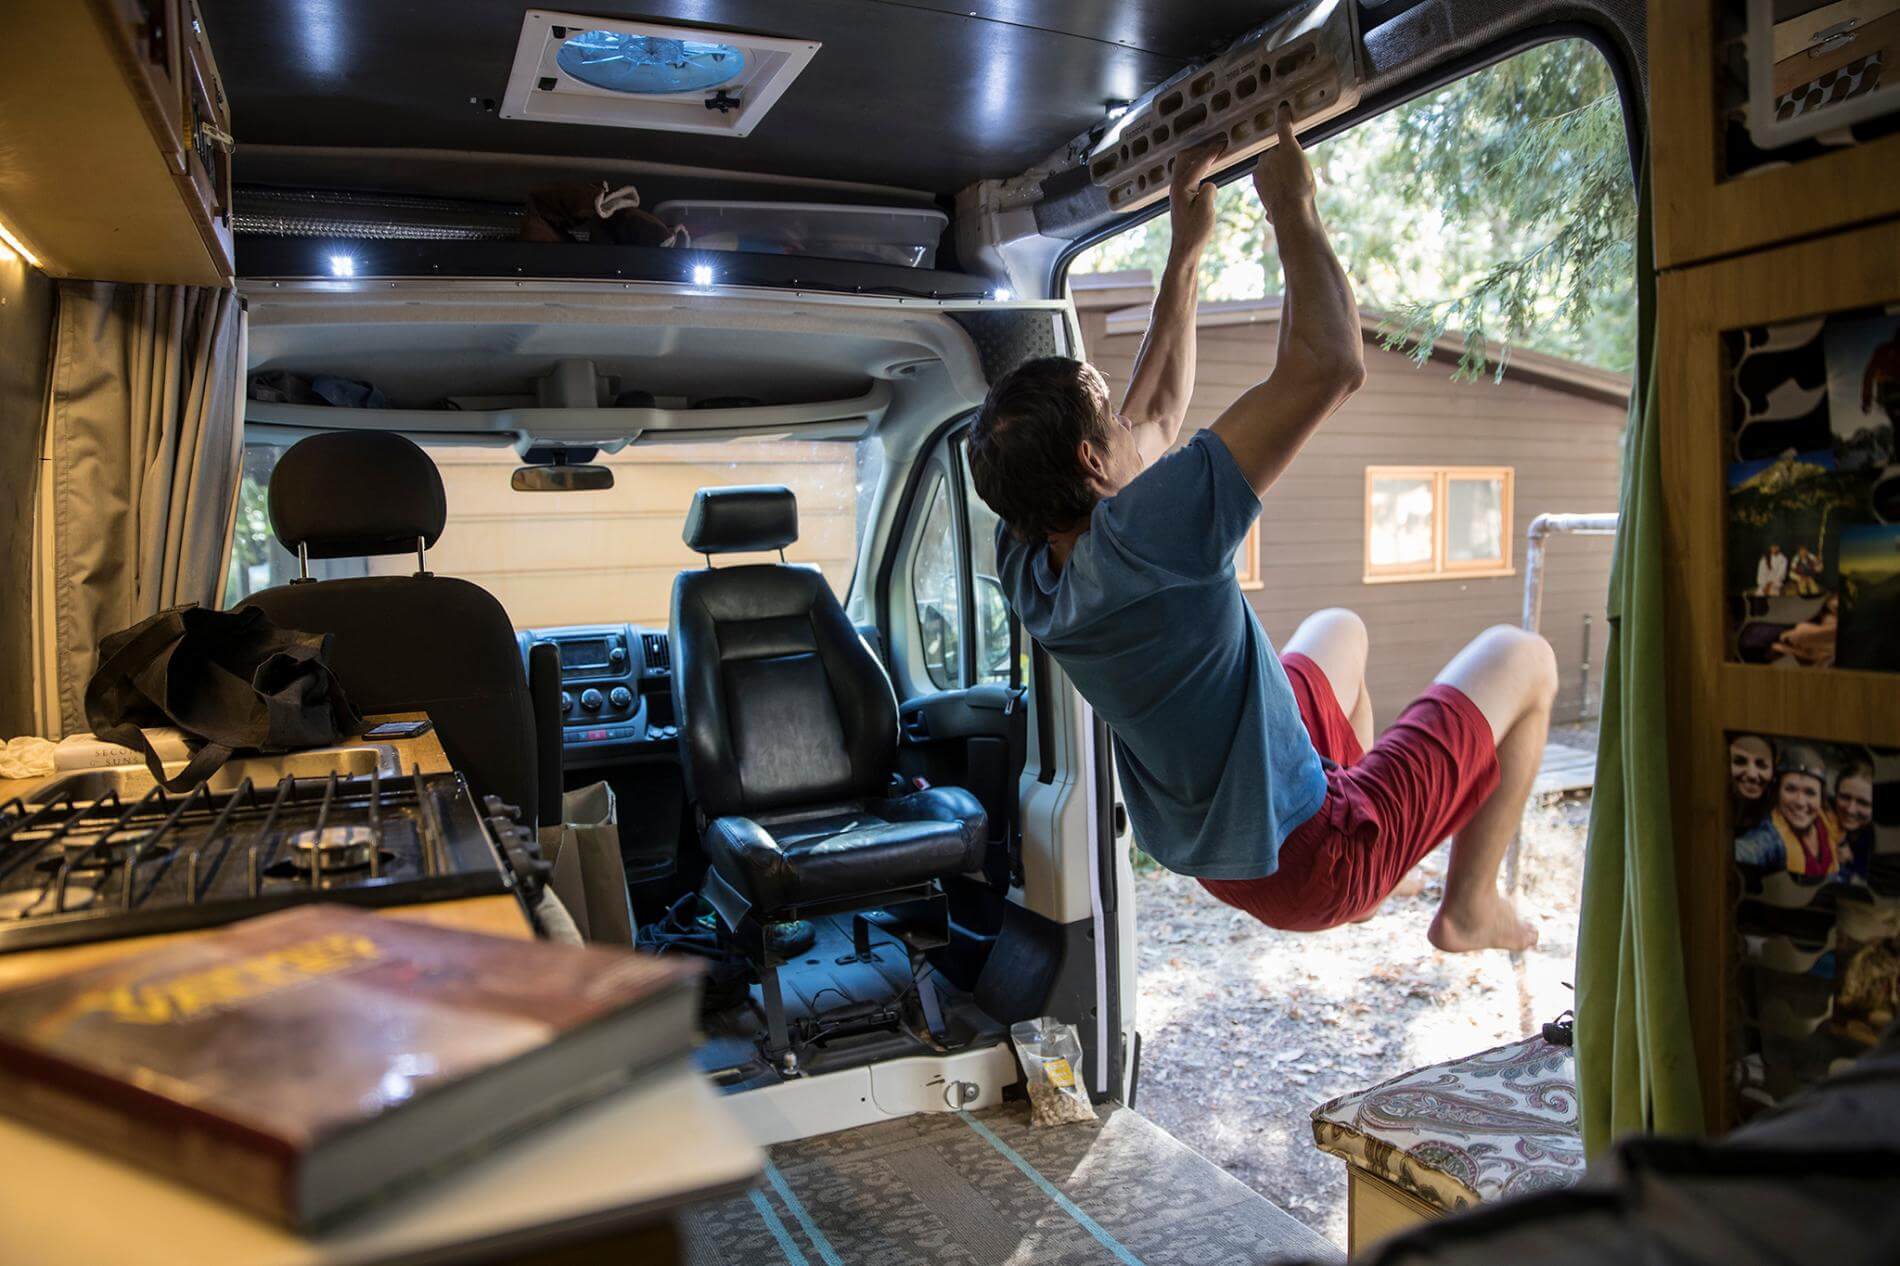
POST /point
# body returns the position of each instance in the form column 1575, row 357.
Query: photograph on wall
column 1811, row 462
column 1870, row 598
column 1863, row 389
column 1816, row 843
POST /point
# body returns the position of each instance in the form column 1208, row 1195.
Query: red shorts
column 1384, row 809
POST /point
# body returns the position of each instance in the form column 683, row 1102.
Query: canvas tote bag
column 230, row 678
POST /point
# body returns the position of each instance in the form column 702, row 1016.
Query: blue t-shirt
column 1148, row 620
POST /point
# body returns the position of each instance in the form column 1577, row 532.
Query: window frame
column 1247, row 559
column 1441, row 566
column 938, row 488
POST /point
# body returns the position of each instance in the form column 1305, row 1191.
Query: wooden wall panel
column 1708, row 696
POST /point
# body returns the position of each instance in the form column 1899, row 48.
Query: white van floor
column 986, row 1188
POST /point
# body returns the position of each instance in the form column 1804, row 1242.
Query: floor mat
column 987, row 1189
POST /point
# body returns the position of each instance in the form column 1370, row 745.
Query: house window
column 1247, row 559
column 1437, row 522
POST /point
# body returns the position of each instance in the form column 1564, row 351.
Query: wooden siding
column 1564, row 446
column 589, row 557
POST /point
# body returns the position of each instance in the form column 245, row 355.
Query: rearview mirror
column 562, row 479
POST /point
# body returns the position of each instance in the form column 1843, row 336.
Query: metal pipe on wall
column 1542, row 528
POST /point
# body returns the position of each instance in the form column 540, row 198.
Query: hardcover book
column 308, row 1062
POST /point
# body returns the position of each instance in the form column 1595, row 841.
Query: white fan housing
column 540, row 91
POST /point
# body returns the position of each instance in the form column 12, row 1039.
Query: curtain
column 1635, row 1055
column 145, row 422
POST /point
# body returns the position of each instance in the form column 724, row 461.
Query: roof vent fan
column 606, row 71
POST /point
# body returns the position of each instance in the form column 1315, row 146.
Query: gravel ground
column 1244, row 1030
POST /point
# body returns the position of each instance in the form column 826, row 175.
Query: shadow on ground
column 1245, row 1030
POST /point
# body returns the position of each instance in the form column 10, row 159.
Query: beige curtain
column 146, row 432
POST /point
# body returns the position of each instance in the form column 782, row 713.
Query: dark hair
column 1023, row 446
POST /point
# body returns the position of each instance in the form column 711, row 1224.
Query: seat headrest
column 741, row 520
column 348, row 493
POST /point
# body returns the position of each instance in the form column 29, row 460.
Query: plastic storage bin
column 879, row 235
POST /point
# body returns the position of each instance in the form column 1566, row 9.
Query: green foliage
column 1498, row 207
column 251, row 535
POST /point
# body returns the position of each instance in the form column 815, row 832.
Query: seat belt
column 1016, row 735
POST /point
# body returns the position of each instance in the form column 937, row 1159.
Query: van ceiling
column 927, row 95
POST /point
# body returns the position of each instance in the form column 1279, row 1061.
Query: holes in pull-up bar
column 1295, row 61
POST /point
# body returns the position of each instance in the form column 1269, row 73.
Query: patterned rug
column 986, row 1188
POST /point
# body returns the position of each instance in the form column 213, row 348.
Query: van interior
column 597, row 384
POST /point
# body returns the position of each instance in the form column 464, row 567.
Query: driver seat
column 788, row 740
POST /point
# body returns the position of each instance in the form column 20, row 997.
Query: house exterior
column 1411, row 504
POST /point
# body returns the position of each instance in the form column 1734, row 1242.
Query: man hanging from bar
column 1254, row 772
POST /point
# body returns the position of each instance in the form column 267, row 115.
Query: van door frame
column 1082, row 887
column 1114, row 906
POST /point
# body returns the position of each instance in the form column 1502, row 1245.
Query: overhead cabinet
column 118, row 141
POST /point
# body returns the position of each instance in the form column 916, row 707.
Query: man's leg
column 1335, row 639
column 1511, row 676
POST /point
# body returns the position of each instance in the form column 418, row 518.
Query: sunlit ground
column 1245, row 1030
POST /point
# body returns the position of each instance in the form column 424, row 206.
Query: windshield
column 587, row 557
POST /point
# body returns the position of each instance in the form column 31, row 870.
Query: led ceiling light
column 570, row 68
column 11, row 243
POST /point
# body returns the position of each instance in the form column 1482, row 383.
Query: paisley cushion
column 1499, row 1123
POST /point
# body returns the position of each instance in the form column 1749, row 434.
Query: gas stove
column 78, row 868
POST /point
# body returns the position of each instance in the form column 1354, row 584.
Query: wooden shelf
column 100, row 178
column 1699, row 214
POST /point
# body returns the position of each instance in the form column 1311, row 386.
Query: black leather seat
column 788, row 737
column 421, row 643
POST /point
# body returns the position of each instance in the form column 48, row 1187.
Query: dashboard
column 616, row 690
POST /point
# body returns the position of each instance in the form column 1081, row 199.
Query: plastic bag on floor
column 1051, row 1056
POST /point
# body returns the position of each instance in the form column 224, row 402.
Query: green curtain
column 1636, row 1064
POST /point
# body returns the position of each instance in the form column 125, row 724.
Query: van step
column 986, row 1186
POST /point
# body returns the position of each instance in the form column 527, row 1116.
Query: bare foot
column 1493, row 926
column 1411, row 885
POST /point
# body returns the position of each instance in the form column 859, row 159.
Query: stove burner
column 348, row 847
column 27, row 903
column 100, row 851
column 167, row 862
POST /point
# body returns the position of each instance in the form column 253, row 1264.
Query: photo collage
column 1813, row 554
column 1817, row 846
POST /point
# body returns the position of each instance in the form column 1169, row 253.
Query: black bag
column 231, row 678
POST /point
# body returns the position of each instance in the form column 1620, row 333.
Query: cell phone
column 398, row 730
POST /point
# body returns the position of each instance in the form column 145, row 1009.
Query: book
column 308, row 1063
column 84, row 751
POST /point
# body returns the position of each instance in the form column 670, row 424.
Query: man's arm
column 1162, row 381
column 1321, row 357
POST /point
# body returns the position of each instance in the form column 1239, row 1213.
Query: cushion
column 848, row 851
column 1499, row 1123
column 743, row 519
column 347, row 494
